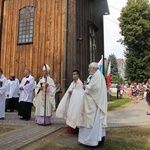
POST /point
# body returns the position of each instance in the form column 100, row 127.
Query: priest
column 12, row 93
column 70, row 105
column 44, row 100
column 26, row 87
column 3, row 90
column 93, row 117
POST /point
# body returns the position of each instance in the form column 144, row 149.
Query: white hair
column 94, row 65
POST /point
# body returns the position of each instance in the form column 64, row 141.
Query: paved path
column 29, row 131
column 132, row 115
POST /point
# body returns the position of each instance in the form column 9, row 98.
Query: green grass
column 116, row 103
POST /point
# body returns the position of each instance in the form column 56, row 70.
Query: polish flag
column 109, row 76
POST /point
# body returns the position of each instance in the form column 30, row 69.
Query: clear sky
column 111, row 29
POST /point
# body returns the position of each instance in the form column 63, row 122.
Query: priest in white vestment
column 3, row 90
column 70, row 105
column 26, row 87
column 12, row 93
column 93, row 117
column 44, row 100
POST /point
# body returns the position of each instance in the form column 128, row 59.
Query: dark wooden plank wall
column 71, row 42
column 88, row 11
column 1, row 20
column 48, row 44
column 78, row 53
column 1, row 13
column 1, row 9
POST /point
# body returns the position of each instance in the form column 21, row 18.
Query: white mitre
column 94, row 64
column 46, row 68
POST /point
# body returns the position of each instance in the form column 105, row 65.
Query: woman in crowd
column 134, row 92
column 148, row 96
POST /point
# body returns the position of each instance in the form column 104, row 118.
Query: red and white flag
column 108, row 76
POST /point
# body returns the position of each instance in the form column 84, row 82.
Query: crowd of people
column 83, row 106
column 141, row 91
column 135, row 91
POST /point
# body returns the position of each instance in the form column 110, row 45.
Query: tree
column 114, row 66
column 135, row 29
column 115, row 77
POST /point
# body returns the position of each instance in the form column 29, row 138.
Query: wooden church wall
column 81, row 13
column 88, row 13
column 1, row 13
column 48, row 41
column 71, row 41
column 1, row 20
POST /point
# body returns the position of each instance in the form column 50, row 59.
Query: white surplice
column 28, row 84
column 70, row 105
column 3, row 91
column 93, row 117
column 39, row 99
column 13, row 90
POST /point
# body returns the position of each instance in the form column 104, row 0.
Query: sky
column 111, row 29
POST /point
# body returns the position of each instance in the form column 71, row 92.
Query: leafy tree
column 117, row 78
column 114, row 66
column 135, row 29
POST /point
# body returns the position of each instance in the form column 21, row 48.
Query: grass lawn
column 128, row 138
column 125, row 138
column 117, row 103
